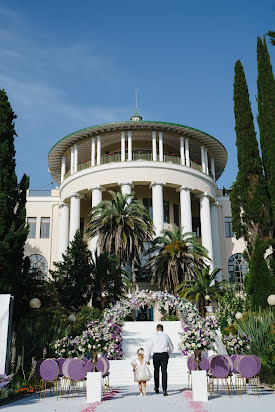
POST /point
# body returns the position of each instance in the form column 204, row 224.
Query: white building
column 172, row 169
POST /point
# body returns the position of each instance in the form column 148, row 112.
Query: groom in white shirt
column 160, row 346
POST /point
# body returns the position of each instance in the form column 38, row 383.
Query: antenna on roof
column 136, row 117
column 136, row 101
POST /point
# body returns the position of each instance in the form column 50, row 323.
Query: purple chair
column 233, row 357
column 259, row 364
column 60, row 363
column 89, row 366
column 249, row 368
column 204, row 364
column 4, row 380
column 231, row 364
column 219, row 370
column 191, row 364
column 48, row 371
column 236, row 362
column 74, row 371
column 85, row 360
column 37, row 368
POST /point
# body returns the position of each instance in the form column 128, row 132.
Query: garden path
column 128, row 400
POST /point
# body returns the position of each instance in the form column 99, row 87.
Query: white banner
column 4, row 329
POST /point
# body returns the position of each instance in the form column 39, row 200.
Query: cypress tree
column 266, row 117
column 259, row 283
column 13, row 228
column 72, row 280
column 271, row 35
column 249, row 199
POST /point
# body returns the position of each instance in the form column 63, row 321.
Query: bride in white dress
column 141, row 371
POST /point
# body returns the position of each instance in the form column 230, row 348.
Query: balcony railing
column 116, row 157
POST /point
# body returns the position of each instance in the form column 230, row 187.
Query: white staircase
column 136, row 335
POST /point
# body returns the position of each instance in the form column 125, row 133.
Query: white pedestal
column 199, row 386
column 94, row 386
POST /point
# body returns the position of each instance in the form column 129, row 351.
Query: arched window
column 38, row 266
column 237, row 269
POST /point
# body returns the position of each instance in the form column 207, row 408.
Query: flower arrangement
column 199, row 336
column 100, row 336
column 239, row 343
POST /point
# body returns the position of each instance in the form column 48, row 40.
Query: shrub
column 231, row 303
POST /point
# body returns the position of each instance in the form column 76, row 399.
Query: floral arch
column 122, row 308
column 106, row 335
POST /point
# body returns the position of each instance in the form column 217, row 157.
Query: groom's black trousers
column 160, row 360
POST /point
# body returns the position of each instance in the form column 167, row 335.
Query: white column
column 187, row 155
column 206, row 161
column 75, row 157
column 182, row 156
column 98, row 150
column 185, row 208
column 154, row 145
column 216, row 237
column 63, row 168
column 203, row 158
column 206, row 232
column 93, row 152
column 96, row 199
column 130, row 156
column 213, row 171
column 74, row 215
column 157, row 203
column 122, row 148
column 126, row 187
column 160, row 147
column 63, row 228
column 72, row 160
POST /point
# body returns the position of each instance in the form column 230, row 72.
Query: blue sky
column 67, row 65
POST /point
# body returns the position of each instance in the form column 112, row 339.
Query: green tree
column 271, row 35
column 259, row 283
column 122, row 225
column 107, row 279
column 72, row 282
column 174, row 257
column 266, row 117
column 13, row 228
column 249, row 197
column 203, row 283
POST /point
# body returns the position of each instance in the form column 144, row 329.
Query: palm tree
column 122, row 225
column 174, row 256
column 107, row 279
column 203, row 283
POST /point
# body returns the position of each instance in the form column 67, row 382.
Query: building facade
column 173, row 170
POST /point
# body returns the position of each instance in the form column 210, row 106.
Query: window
column 143, row 274
column 45, row 227
column 148, row 205
column 32, row 227
column 176, row 215
column 228, row 227
column 166, row 214
column 81, row 228
column 237, row 269
column 196, row 226
column 38, row 266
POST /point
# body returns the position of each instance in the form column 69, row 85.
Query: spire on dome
column 136, row 117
